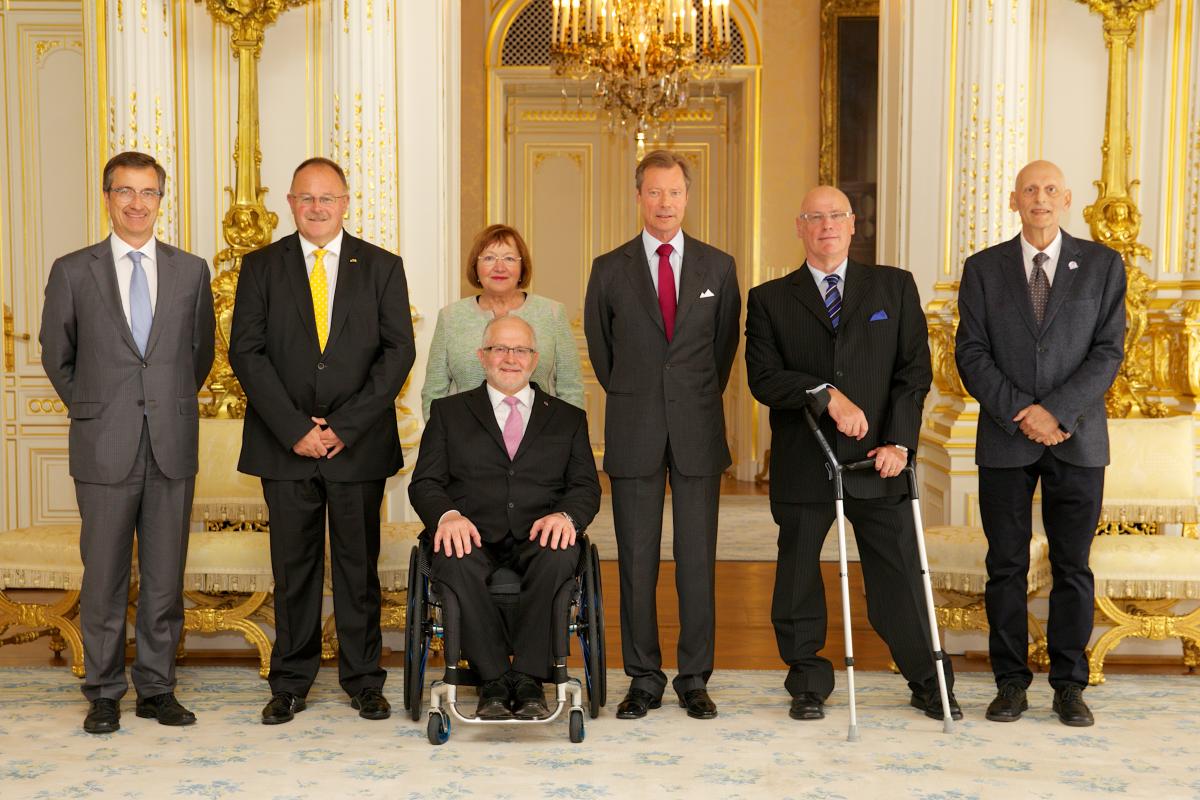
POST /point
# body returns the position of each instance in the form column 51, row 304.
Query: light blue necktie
column 833, row 301
column 140, row 313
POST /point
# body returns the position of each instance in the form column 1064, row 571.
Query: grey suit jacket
column 90, row 356
column 1067, row 364
column 658, row 391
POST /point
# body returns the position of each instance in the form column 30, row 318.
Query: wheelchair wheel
column 592, row 638
column 575, row 728
column 415, row 641
column 438, row 728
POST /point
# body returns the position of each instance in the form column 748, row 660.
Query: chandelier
column 641, row 53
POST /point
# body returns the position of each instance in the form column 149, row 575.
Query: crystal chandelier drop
column 641, row 53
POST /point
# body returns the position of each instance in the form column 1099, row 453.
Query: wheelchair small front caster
column 438, row 728
column 576, row 726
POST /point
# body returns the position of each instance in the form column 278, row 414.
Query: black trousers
column 543, row 571
column 1071, row 500
column 637, row 517
column 887, row 547
column 297, row 516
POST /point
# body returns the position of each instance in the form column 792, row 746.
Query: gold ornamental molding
column 247, row 224
column 832, row 12
column 1115, row 219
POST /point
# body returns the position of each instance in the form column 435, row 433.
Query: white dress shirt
column 820, row 277
column 501, row 409
column 124, row 265
column 332, row 251
column 651, row 244
column 1052, row 250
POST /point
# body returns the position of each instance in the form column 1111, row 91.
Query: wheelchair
column 432, row 613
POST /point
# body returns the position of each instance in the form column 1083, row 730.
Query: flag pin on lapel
column 355, row 261
column 1073, row 265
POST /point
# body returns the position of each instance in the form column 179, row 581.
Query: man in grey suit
column 1040, row 340
column 127, row 340
column 662, row 316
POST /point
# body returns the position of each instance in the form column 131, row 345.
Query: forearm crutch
column 836, row 469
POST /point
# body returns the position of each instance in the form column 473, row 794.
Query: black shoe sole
column 629, row 715
column 807, row 716
column 1006, row 717
column 374, row 715
column 936, row 713
column 296, row 709
column 699, row 714
column 1075, row 723
column 100, row 729
column 152, row 715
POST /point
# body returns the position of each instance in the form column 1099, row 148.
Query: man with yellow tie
column 322, row 343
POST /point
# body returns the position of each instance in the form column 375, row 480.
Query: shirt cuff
column 443, row 516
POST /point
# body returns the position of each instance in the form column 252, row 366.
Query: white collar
column 524, row 396
column 122, row 248
column 1052, row 250
column 821, row 275
column 334, row 247
column 652, row 244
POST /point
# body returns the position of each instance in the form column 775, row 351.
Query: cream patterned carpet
column 1143, row 746
column 745, row 532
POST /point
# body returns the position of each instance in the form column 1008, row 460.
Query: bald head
column 508, row 353
column 1041, row 197
column 826, row 226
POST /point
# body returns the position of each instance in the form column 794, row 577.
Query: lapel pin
column 354, row 261
column 1073, row 265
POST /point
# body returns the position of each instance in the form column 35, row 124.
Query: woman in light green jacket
column 500, row 267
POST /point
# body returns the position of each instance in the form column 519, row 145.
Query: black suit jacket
column 353, row 384
column 1007, row 361
column 658, row 391
column 463, row 465
column 878, row 357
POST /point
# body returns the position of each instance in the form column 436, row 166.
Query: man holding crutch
column 849, row 339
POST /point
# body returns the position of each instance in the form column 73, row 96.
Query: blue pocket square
column 878, row 316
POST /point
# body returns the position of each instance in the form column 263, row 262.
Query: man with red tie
column 661, row 316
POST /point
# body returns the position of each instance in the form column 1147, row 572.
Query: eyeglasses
column 501, row 350
column 327, row 200
column 508, row 261
column 818, row 218
column 125, row 194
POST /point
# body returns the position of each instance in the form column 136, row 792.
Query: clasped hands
column 320, row 442
column 1040, row 425
column 456, row 534
column 890, row 460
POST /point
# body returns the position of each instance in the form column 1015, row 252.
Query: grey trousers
column 158, row 508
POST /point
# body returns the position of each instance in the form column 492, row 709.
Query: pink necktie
column 666, row 289
column 512, row 427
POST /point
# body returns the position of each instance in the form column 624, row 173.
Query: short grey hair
column 487, row 329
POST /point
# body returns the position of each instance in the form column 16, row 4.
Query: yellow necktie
column 318, row 282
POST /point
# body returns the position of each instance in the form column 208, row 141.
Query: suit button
column 320, row 365
column 512, row 472
column 1041, row 349
column 144, row 365
column 510, row 505
column 838, row 374
column 141, row 402
column 668, row 366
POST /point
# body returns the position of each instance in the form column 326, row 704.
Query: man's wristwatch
column 570, row 519
column 899, row 447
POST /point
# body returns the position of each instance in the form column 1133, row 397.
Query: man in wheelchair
column 505, row 477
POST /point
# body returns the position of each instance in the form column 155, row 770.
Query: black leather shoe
column 1009, row 703
column 930, row 701
column 636, row 703
column 1071, row 710
column 371, row 703
column 698, row 704
column 282, row 708
column 493, row 700
column 164, row 708
column 529, row 700
column 807, row 705
column 104, row 716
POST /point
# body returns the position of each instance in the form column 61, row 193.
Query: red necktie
column 666, row 289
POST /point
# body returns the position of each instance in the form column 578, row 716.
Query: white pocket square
column 1072, row 265
column 707, row 293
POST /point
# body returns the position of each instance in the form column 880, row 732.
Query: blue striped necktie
column 833, row 300
column 140, row 313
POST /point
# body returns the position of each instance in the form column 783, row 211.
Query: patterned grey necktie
column 1039, row 287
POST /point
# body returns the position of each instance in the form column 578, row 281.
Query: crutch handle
column 866, row 463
